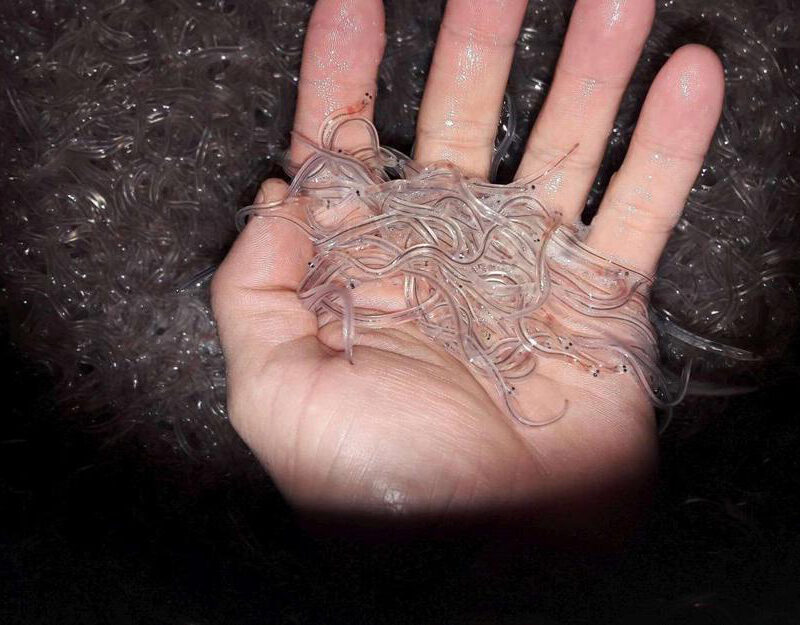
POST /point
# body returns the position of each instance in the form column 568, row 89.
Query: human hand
column 409, row 429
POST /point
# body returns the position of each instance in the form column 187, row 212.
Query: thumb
column 253, row 293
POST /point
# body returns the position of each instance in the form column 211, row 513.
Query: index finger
column 342, row 51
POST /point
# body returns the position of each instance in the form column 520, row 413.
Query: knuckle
column 643, row 216
column 478, row 31
column 472, row 132
column 543, row 150
column 670, row 152
column 270, row 189
column 613, row 82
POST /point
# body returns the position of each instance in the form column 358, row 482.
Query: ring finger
column 603, row 44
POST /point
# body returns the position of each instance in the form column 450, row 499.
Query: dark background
column 90, row 533
column 105, row 517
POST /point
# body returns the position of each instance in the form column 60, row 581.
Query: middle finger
column 464, row 93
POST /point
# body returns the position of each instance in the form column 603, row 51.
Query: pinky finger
column 646, row 196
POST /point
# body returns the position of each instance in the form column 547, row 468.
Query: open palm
column 408, row 428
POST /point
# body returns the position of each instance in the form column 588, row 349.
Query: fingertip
column 693, row 75
column 698, row 74
column 270, row 190
column 684, row 103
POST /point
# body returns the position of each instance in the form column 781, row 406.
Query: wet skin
column 408, row 430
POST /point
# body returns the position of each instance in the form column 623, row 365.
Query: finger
column 343, row 49
column 464, row 93
column 601, row 49
column 254, row 289
column 646, row 196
